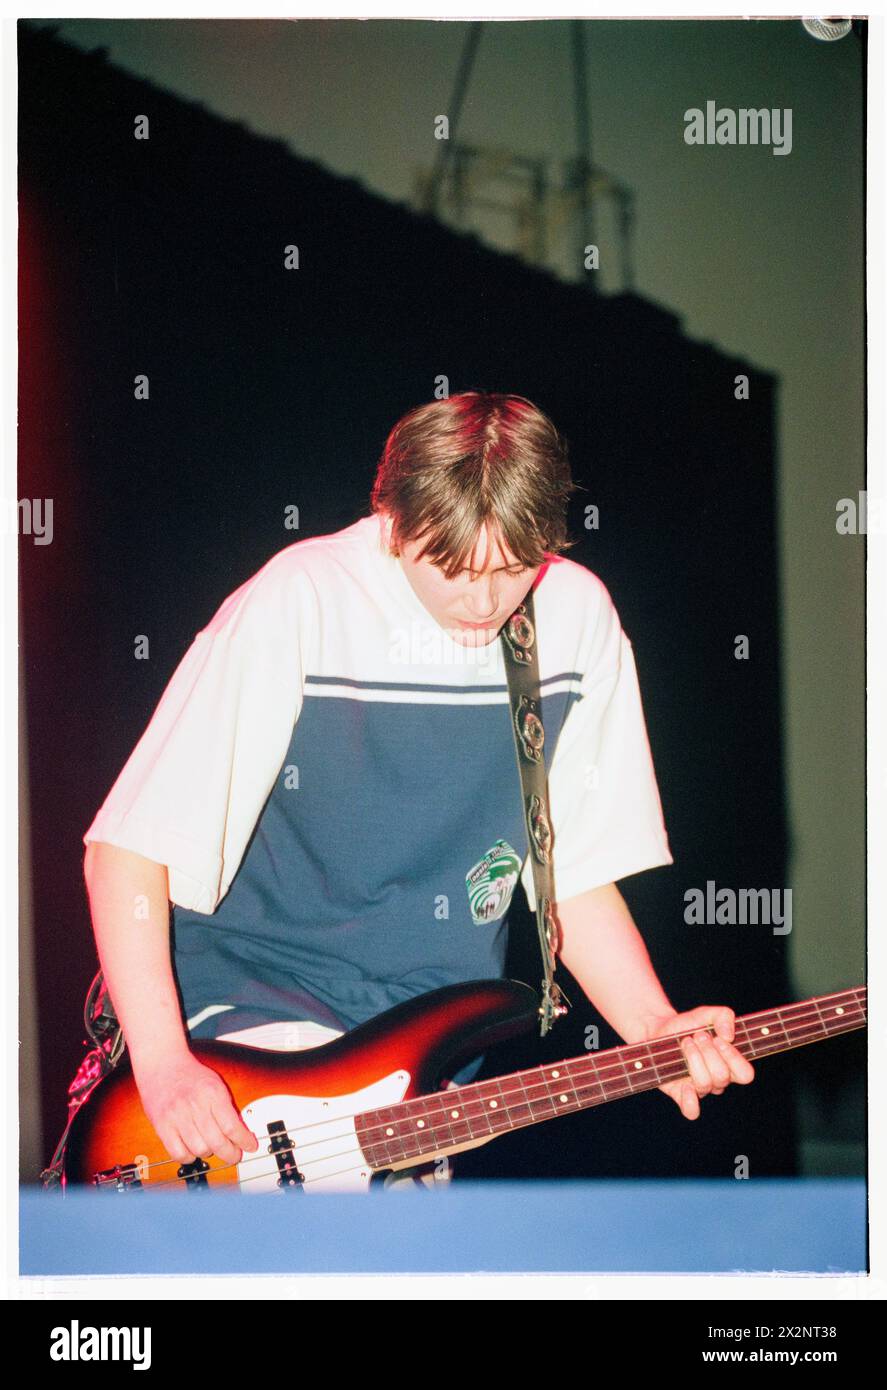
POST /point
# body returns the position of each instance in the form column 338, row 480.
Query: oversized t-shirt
column 332, row 783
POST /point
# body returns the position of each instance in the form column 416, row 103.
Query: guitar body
column 302, row 1106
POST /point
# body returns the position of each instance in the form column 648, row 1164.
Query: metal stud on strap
column 529, row 728
column 540, row 828
column 520, row 634
column 552, row 935
column 522, row 667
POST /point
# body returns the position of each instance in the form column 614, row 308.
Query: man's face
column 475, row 604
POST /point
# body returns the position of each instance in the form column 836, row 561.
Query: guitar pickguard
column 310, row 1142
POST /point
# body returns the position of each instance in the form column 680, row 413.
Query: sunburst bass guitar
column 332, row 1118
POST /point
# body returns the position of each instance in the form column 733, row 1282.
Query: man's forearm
column 129, row 903
column 603, row 949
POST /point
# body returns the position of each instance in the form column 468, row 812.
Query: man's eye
column 512, row 574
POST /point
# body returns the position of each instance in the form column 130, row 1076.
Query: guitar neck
column 448, row 1121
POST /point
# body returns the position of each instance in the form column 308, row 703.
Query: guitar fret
column 762, row 1037
column 577, row 1104
column 761, row 1043
column 624, row 1070
column 656, row 1072
column 592, row 1094
column 479, row 1114
column 800, row 1037
column 819, row 1015
column 559, row 1097
column 780, row 1024
column 440, row 1120
column 824, row 1022
column 430, row 1127
column 594, row 1079
column 501, row 1107
column 635, row 1067
column 459, row 1123
column 546, row 1106
column 523, row 1109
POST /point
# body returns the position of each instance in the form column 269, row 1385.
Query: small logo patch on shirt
column 491, row 883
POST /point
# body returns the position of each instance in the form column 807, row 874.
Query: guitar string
column 274, row 1172
column 581, row 1066
column 423, row 1156
column 418, row 1158
column 448, row 1099
column 349, row 1134
column 429, row 1155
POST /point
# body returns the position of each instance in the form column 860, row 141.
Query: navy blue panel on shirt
column 352, row 895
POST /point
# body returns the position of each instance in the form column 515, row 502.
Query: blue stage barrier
column 687, row 1226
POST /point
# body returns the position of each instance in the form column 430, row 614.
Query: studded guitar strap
column 518, row 638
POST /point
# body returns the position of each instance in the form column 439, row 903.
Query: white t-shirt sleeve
column 194, row 786
column 605, row 808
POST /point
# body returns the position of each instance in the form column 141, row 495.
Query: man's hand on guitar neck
column 713, row 1062
column 605, row 952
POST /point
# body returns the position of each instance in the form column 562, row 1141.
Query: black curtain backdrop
column 271, row 388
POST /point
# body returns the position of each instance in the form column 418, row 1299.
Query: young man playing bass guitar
column 323, row 818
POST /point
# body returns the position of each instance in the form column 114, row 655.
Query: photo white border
column 476, row 1287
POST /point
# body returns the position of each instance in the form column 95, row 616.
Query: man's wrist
column 156, row 1054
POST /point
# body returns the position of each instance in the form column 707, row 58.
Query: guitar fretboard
column 419, row 1128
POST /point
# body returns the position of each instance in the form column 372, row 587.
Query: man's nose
column 482, row 598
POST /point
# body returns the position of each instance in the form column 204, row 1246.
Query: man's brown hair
column 478, row 457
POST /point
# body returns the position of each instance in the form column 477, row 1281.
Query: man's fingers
column 741, row 1069
column 696, row 1066
column 724, row 1023
column 684, row 1097
column 714, row 1060
column 689, row 1102
column 218, row 1142
column 244, row 1136
column 193, row 1140
column 203, row 1134
column 177, row 1148
column 234, row 1129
